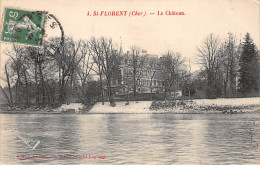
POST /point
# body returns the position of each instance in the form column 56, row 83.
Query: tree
column 229, row 53
column 84, row 69
column 152, row 68
column 171, row 65
column 105, row 57
column 67, row 58
column 16, row 54
column 95, row 51
column 137, row 62
column 249, row 68
column 40, row 62
column 208, row 57
column 108, row 61
column 7, row 79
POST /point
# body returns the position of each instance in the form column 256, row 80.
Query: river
column 131, row 138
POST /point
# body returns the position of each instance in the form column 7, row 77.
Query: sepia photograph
column 133, row 82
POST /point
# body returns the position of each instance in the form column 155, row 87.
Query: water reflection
column 132, row 139
column 233, row 138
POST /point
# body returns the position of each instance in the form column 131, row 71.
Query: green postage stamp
column 26, row 27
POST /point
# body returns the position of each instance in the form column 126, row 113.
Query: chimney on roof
column 144, row 51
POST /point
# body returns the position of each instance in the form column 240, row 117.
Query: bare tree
column 229, row 52
column 41, row 64
column 171, row 66
column 67, row 59
column 110, row 54
column 96, row 52
column 105, row 57
column 208, row 56
column 137, row 62
column 16, row 54
column 85, row 67
column 7, row 79
column 152, row 68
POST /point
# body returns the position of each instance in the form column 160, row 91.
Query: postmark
column 22, row 26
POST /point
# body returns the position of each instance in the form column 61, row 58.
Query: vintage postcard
column 133, row 82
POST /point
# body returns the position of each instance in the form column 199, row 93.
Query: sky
column 156, row 34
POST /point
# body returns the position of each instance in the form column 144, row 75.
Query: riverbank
column 226, row 106
column 134, row 107
column 196, row 106
column 77, row 108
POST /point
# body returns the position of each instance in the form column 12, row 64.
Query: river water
column 131, row 139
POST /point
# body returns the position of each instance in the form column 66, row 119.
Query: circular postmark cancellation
column 22, row 26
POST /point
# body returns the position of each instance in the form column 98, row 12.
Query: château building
column 148, row 75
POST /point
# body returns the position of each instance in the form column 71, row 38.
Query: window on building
column 114, row 81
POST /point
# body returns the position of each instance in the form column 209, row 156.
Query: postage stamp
column 21, row 26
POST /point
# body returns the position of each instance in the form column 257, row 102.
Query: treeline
column 83, row 71
column 66, row 70
column 59, row 72
column 230, row 67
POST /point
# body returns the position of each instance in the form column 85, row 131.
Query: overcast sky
column 154, row 33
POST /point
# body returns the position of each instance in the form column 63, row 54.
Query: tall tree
column 171, row 67
column 249, row 68
column 84, row 70
column 152, row 69
column 7, row 80
column 109, row 59
column 16, row 54
column 67, row 58
column 229, row 55
column 137, row 62
column 96, row 52
column 105, row 56
column 208, row 56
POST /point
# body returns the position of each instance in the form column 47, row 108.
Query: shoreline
column 196, row 106
column 122, row 113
